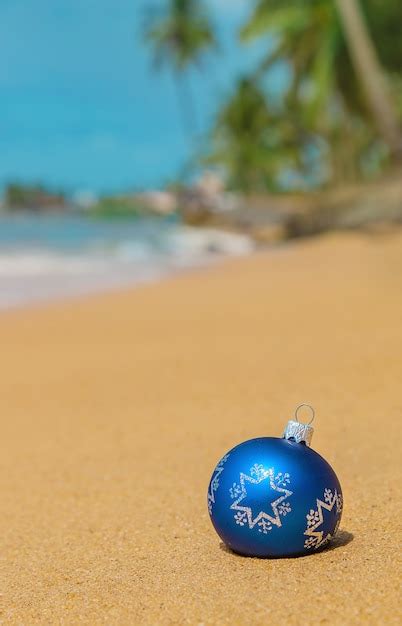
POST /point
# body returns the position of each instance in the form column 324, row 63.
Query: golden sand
column 114, row 410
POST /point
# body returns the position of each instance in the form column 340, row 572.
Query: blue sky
column 80, row 105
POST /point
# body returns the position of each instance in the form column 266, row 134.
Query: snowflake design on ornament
column 282, row 479
column 312, row 518
column 240, row 518
column 258, row 471
column 276, row 505
column 235, row 490
column 284, row 509
column 214, row 484
column 264, row 526
column 315, row 519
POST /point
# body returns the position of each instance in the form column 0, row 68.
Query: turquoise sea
column 53, row 256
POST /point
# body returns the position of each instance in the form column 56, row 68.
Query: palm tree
column 310, row 36
column 252, row 144
column 371, row 75
column 180, row 36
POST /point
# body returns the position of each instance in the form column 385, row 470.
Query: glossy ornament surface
column 275, row 497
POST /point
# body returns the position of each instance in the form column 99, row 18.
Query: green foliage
column 384, row 18
column 324, row 97
column 17, row 195
column 308, row 34
column 118, row 206
column 20, row 196
column 322, row 130
column 181, row 34
column 254, row 145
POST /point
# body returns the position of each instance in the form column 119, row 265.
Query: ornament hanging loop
column 308, row 406
column 297, row 431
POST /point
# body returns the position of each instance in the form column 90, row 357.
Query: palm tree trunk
column 370, row 73
column 187, row 106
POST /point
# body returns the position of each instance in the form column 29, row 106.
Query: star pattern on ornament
column 270, row 515
column 214, row 484
column 315, row 519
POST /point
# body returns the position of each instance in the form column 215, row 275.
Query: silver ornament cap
column 297, row 431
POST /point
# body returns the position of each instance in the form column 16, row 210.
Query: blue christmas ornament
column 272, row 497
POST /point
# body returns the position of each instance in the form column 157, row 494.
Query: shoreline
column 102, row 292
column 44, row 258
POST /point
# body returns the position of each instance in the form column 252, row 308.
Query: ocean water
column 48, row 256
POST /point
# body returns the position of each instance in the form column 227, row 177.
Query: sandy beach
column 115, row 409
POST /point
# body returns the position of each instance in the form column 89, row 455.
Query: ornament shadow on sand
column 341, row 539
column 276, row 497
